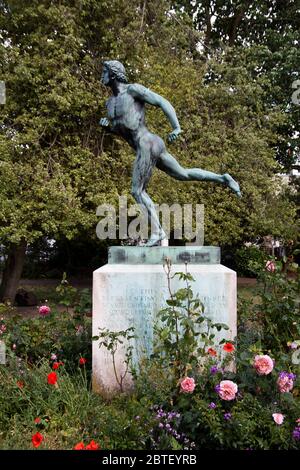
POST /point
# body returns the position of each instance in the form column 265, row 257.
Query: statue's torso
column 126, row 113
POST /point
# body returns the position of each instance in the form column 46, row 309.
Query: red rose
column 37, row 420
column 52, row 378
column 37, row 439
column 20, row 384
column 228, row 347
column 212, row 352
column 79, row 446
column 93, row 446
column 56, row 365
column 82, row 361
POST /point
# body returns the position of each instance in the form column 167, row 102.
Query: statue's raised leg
column 169, row 165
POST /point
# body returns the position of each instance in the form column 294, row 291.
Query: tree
column 49, row 142
column 270, row 30
column 57, row 165
column 226, row 128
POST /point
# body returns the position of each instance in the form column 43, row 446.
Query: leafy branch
column 183, row 331
column 111, row 340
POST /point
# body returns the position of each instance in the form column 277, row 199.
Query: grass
column 69, row 413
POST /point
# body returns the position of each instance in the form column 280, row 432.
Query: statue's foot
column 155, row 239
column 232, row 184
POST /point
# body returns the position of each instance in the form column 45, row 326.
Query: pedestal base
column 126, row 295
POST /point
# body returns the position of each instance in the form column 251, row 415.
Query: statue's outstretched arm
column 144, row 94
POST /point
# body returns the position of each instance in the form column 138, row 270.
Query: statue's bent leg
column 142, row 171
column 169, row 165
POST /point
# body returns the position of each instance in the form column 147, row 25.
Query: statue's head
column 113, row 70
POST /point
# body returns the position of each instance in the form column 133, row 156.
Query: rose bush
column 61, row 335
column 187, row 396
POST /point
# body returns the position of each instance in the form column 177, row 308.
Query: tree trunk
column 236, row 20
column 208, row 25
column 12, row 271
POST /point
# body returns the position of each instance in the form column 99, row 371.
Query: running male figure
column 126, row 118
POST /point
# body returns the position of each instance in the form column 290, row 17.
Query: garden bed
column 185, row 397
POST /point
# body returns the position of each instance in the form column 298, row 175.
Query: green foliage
column 268, row 33
column 275, row 310
column 66, row 292
column 203, row 419
column 69, row 296
column 57, row 164
column 84, row 303
column 183, row 333
column 158, row 413
column 64, row 334
column 69, row 413
column 247, row 259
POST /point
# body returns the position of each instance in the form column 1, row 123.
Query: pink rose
column 263, row 364
column 285, row 382
column 187, row 385
column 278, row 418
column 227, row 390
column 270, row 266
column 44, row 310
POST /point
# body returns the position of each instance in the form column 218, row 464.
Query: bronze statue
column 126, row 118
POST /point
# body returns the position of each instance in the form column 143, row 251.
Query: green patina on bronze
column 157, row 255
column 126, row 118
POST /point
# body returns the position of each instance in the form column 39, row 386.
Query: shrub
column 66, row 335
column 190, row 394
column 222, row 406
column 248, row 259
column 274, row 311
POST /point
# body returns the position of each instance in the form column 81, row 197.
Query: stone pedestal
column 132, row 288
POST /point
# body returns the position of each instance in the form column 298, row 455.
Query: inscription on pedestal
column 131, row 296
